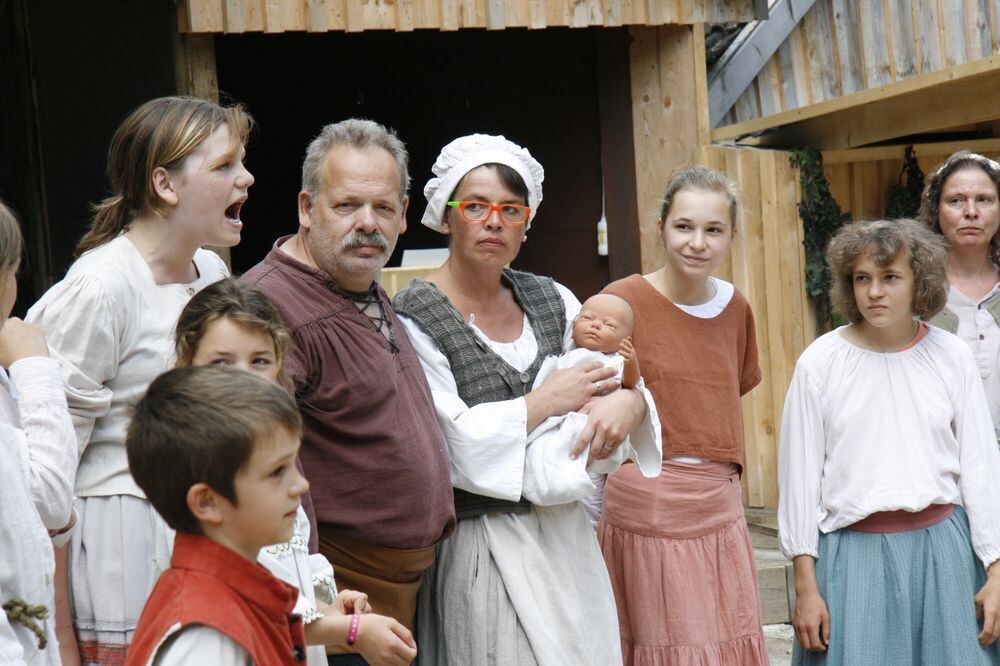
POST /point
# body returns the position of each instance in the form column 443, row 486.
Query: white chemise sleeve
column 801, row 456
column 47, row 438
column 979, row 460
column 485, row 442
column 80, row 322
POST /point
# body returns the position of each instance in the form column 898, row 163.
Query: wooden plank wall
column 669, row 118
column 766, row 263
column 845, row 46
column 236, row 16
column 860, row 179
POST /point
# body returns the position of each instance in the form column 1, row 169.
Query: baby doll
column 601, row 332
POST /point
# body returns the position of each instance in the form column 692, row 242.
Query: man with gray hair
column 372, row 448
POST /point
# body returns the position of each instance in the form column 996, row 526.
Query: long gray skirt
column 520, row 590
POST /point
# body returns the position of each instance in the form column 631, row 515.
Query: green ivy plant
column 821, row 219
column 904, row 198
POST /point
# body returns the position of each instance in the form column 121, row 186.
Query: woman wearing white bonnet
column 961, row 203
column 515, row 584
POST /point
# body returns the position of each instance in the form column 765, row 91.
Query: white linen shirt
column 979, row 330
column 37, row 460
column 486, row 442
column 33, row 413
column 112, row 329
column 864, row 432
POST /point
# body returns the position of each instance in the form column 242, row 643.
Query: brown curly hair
column 930, row 200
column 883, row 241
column 242, row 304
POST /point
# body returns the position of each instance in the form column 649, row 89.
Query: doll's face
column 603, row 322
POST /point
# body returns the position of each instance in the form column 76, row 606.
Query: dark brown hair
column 930, row 200
column 883, row 241
column 160, row 133
column 242, row 304
column 200, row 425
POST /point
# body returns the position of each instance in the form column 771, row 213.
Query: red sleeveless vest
column 212, row 585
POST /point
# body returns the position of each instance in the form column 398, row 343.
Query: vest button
column 298, row 653
column 525, row 378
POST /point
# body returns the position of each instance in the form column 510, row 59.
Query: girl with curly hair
column 887, row 469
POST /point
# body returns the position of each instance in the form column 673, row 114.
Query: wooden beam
column 747, row 55
column 880, row 153
column 907, row 107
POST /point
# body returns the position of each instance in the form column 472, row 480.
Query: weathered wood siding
column 845, row 46
column 766, row 263
column 860, row 179
column 236, row 16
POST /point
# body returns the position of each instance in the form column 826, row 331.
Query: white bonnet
column 465, row 154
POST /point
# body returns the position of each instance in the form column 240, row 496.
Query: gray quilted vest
column 480, row 374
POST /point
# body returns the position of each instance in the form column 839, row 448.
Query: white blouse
column 112, row 329
column 311, row 575
column 37, row 460
column 864, row 432
column 979, row 330
column 486, row 442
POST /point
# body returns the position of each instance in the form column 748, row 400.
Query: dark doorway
column 70, row 73
column 538, row 89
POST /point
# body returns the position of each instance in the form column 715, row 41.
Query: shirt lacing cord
column 370, row 305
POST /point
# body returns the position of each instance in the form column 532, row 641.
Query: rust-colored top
column 696, row 369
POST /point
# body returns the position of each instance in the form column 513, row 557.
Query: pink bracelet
column 352, row 634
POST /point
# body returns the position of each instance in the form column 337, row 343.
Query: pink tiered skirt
column 682, row 567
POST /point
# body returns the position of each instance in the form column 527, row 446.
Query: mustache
column 361, row 239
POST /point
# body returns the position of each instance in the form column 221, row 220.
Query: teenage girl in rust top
column 677, row 546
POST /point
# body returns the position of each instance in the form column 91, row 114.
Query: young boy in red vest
column 214, row 450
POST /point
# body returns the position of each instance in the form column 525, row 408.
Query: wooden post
column 197, row 76
column 669, row 117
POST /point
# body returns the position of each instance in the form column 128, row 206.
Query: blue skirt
column 903, row 598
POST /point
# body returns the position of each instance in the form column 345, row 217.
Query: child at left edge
column 214, row 450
